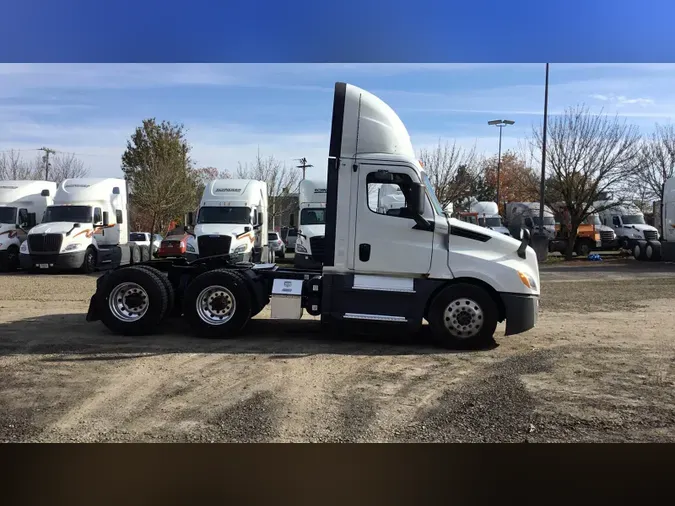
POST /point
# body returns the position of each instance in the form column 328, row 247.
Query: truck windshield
column 8, row 215
column 313, row 217
column 239, row 215
column 70, row 214
column 593, row 219
column 490, row 222
column 438, row 208
column 633, row 219
column 548, row 221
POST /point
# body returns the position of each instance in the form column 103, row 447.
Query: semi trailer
column 309, row 245
column 663, row 249
column 22, row 204
column 389, row 269
column 85, row 228
column 232, row 219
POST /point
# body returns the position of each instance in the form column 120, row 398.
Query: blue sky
column 284, row 109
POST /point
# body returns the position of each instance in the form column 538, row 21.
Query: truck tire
column 282, row 254
column 463, row 316
column 624, row 243
column 134, row 254
column 583, row 248
column 639, row 250
column 653, row 251
column 132, row 301
column 145, row 253
column 170, row 292
column 217, row 304
column 89, row 261
column 10, row 262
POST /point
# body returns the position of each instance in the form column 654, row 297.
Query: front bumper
column 521, row 311
column 238, row 257
column 306, row 261
column 69, row 260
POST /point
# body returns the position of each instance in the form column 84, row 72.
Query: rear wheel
column 463, row 316
column 640, row 250
column 145, row 253
column 132, row 301
column 217, row 304
column 89, row 261
column 168, row 287
column 134, row 254
column 653, row 251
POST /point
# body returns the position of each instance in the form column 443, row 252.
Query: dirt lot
column 598, row 367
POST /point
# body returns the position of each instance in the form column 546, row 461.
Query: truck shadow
column 70, row 338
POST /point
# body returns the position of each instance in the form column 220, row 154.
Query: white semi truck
column 488, row 216
column 309, row 245
column 628, row 223
column 232, row 220
column 22, row 204
column 663, row 249
column 85, row 228
column 397, row 270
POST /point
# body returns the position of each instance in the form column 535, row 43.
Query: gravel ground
column 598, row 367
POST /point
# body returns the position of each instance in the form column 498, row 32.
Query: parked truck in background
column 22, row 205
column 628, row 223
column 85, row 228
column 232, row 220
column 397, row 270
column 588, row 238
column 607, row 235
column 526, row 215
column 663, row 249
column 309, row 245
column 488, row 216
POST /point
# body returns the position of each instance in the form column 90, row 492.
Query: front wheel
column 463, row 316
column 583, row 249
column 11, row 261
column 89, row 261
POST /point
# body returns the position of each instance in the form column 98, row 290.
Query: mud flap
column 92, row 313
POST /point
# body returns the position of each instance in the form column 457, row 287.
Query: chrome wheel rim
column 463, row 318
column 128, row 302
column 215, row 305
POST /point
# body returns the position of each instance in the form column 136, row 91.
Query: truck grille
column 606, row 236
column 317, row 246
column 45, row 243
column 650, row 235
column 210, row 245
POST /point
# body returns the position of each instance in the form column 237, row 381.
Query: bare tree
column 14, row 167
column 452, row 171
column 281, row 182
column 657, row 162
column 586, row 155
column 67, row 166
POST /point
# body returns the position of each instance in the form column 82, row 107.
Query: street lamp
column 500, row 123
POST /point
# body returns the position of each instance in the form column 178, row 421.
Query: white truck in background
column 526, row 215
column 22, row 204
column 663, row 249
column 390, row 199
column 309, row 245
column 85, row 228
column 488, row 216
column 628, row 223
column 232, row 219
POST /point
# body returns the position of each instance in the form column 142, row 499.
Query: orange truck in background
column 588, row 236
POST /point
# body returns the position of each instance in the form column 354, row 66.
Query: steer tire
column 231, row 290
column 481, row 310
column 10, row 261
column 170, row 292
column 156, row 297
column 89, row 261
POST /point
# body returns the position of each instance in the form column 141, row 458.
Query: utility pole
column 542, row 183
column 46, row 160
column 303, row 165
column 500, row 123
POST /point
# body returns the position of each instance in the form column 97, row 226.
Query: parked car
column 173, row 246
column 143, row 239
column 276, row 244
column 291, row 238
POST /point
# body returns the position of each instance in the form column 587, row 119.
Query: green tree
column 158, row 170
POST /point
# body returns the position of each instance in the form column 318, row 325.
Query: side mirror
column 30, row 221
column 44, row 193
column 260, row 218
column 417, row 199
column 190, row 219
column 105, row 218
column 247, row 229
column 524, row 235
column 76, row 225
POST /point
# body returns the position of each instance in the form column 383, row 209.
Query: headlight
column 24, row 247
column 71, row 247
column 300, row 248
column 637, row 235
column 190, row 248
column 527, row 280
column 240, row 249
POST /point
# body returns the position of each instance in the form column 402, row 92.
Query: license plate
column 43, row 266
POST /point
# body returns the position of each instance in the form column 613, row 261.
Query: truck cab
column 526, row 215
column 628, row 223
column 22, row 204
column 232, row 219
column 489, row 217
column 311, row 224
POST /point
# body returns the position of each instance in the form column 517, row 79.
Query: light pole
column 500, row 123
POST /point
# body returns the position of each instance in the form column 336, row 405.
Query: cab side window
column 98, row 215
column 22, row 218
column 388, row 194
column 616, row 221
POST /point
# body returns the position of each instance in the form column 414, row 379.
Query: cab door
column 389, row 242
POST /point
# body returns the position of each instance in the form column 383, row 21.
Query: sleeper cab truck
column 309, row 245
column 85, row 229
column 231, row 220
column 389, row 269
column 663, row 249
column 22, row 204
column 628, row 223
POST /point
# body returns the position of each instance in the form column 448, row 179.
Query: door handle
column 364, row 252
